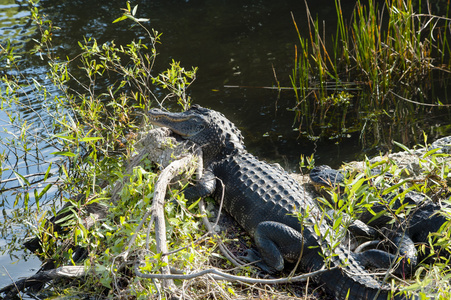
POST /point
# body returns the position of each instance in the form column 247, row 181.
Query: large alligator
column 270, row 205
column 424, row 218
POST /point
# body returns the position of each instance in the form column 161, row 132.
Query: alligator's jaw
column 183, row 124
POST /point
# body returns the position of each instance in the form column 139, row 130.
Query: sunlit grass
column 388, row 55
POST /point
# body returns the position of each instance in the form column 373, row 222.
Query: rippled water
column 14, row 25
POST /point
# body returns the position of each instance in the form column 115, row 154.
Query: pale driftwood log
column 42, row 277
column 158, row 210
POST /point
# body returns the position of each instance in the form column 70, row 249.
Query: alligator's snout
column 185, row 124
column 156, row 115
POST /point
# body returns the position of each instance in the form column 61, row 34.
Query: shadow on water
column 239, row 46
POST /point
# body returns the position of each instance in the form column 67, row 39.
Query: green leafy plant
column 91, row 134
column 380, row 190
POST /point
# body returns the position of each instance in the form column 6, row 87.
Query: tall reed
column 384, row 57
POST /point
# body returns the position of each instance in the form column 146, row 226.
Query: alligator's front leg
column 404, row 262
column 276, row 242
column 205, row 187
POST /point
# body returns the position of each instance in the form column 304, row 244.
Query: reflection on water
column 16, row 28
column 14, row 268
column 14, row 20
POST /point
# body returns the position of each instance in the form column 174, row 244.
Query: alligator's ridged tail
column 343, row 286
column 340, row 285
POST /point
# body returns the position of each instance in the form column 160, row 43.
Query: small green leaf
column 44, row 190
column 65, row 137
column 64, row 153
column 357, row 185
column 317, row 231
column 402, row 146
column 89, row 139
column 47, row 172
column 64, row 219
column 123, row 17
column 337, row 222
column 393, row 187
column 134, row 10
column 376, row 216
column 194, row 204
column 21, row 179
column 430, row 152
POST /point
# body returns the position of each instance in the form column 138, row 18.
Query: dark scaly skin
column 422, row 221
column 404, row 251
column 265, row 201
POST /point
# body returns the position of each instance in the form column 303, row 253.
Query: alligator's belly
column 256, row 191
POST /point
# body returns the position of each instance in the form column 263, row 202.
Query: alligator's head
column 206, row 128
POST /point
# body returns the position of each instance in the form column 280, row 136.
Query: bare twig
column 221, row 245
column 220, row 275
column 419, row 103
column 366, row 244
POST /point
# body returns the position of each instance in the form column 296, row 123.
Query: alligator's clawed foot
column 252, row 256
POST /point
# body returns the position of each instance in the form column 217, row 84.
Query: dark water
column 233, row 43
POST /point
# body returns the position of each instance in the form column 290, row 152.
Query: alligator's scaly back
column 266, row 202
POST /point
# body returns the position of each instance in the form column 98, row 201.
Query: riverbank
column 114, row 239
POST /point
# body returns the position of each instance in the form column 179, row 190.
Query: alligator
column 270, row 206
column 415, row 228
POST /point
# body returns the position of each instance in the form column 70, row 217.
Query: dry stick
column 45, row 276
column 226, row 276
column 419, row 103
column 366, row 244
column 158, row 210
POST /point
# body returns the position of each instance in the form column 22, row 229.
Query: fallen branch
column 43, row 277
column 158, row 209
column 220, row 275
column 221, row 245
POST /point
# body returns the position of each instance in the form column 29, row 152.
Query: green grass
column 388, row 57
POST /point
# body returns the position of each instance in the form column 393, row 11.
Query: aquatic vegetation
column 390, row 57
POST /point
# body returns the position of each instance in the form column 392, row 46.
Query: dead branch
column 158, row 209
column 220, row 275
column 221, row 245
column 42, row 277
